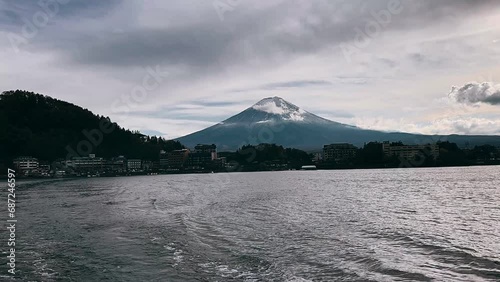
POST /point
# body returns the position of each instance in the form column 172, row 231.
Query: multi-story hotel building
column 410, row 151
column 26, row 163
column 340, row 152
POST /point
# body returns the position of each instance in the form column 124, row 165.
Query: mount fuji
column 274, row 120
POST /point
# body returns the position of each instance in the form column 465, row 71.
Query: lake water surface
column 356, row 225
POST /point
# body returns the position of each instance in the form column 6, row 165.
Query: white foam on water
column 178, row 256
column 297, row 279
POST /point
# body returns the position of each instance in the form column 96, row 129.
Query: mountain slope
column 42, row 127
column 274, row 120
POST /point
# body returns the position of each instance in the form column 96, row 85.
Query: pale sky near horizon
column 386, row 65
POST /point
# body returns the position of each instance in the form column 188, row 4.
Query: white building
column 26, row 163
column 90, row 163
column 410, row 151
column 340, row 152
column 134, row 164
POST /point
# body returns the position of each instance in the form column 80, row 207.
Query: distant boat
column 60, row 173
column 308, row 167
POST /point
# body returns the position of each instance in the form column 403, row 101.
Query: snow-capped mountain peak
column 278, row 106
column 274, row 120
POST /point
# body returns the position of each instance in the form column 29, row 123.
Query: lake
column 425, row 224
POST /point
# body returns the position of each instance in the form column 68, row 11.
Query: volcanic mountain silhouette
column 274, row 120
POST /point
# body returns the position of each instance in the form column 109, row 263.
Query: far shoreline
column 24, row 180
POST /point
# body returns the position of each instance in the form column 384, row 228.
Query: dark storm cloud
column 205, row 44
column 274, row 35
column 210, row 43
column 13, row 13
column 269, row 35
column 474, row 93
column 186, row 46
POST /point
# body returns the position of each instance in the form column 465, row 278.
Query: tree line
column 42, row 127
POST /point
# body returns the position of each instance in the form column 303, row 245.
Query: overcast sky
column 174, row 67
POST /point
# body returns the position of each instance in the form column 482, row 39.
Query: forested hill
column 40, row 126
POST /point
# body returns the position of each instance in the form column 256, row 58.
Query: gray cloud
column 152, row 132
column 334, row 114
column 474, row 93
column 180, row 112
column 273, row 35
column 285, row 84
column 214, row 103
column 14, row 13
column 269, row 35
column 296, row 83
column 181, row 46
